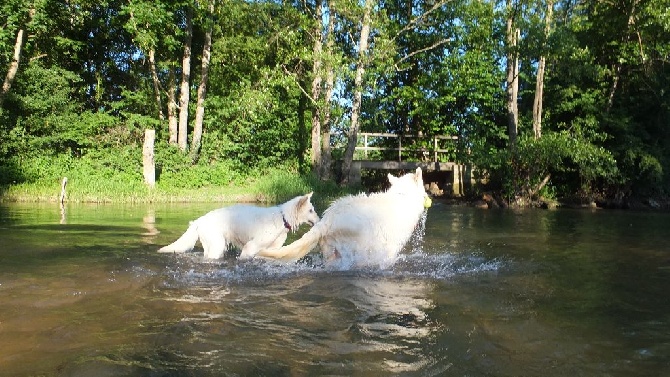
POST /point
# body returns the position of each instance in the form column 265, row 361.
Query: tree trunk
column 16, row 58
column 173, row 122
column 156, row 82
column 358, row 94
column 512, row 74
column 532, row 192
column 13, row 66
column 537, row 101
column 202, row 88
column 539, row 80
column 328, row 95
column 618, row 64
column 317, row 48
column 184, row 88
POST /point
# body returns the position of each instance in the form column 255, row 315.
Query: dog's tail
column 184, row 243
column 295, row 250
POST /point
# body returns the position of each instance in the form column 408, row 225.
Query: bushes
column 175, row 170
column 573, row 160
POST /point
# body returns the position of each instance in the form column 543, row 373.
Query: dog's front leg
column 251, row 249
column 278, row 242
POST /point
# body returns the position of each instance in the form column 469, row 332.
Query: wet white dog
column 363, row 230
column 246, row 227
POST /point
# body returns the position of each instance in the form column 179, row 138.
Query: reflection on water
column 502, row 293
column 63, row 213
column 366, row 320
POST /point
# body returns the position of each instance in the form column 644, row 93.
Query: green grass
column 273, row 186
column 117, row 178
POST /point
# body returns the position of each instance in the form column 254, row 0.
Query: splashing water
column 193, row 269
column 417, row 264
column 445, row 265
column 415, row 243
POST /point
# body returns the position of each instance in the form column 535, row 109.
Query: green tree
column 286, row 82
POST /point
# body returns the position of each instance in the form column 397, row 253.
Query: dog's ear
column 392, row 178
column 309, row 195
column 417, row 175
column 304, row 200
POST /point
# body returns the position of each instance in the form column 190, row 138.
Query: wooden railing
column 367, row 137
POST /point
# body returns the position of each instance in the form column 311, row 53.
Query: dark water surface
column 481, row 293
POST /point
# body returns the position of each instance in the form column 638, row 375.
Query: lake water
column 476, row 293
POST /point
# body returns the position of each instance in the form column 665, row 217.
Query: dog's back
column 369, row 229
column 242, row 223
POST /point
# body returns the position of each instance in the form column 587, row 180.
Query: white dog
column 364, row 230
column 247, row 227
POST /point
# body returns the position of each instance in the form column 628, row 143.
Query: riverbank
column 488, row 200
column 274, row 187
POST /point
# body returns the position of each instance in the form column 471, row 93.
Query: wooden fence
column 430, row 158
column 401, row 145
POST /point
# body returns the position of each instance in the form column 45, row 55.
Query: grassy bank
column 274, row 186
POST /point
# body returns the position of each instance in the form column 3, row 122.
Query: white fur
column 363, row 230
column 246, row 227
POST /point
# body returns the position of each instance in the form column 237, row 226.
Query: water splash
column 415, row 263
column 193, row 269
column 415, row 242
column 446, row 265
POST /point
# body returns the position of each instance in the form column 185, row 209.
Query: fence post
column 63, row 193
column 457, row 184
column 365, row 140
column 148, row 158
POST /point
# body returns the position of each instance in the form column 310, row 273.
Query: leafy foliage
column 561, row 154
column 84, row 93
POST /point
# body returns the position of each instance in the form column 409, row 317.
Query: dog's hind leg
column 215, row 245
column 332, row 256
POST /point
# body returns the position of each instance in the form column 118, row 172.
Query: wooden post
column 61, row 200
column 365, row 141
column 457, row 183
column 462, row 182
column 148, row 158
column 63, row 194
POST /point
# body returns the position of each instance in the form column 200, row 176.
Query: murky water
column 477, row 293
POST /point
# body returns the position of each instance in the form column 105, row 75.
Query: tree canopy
column 290, row 83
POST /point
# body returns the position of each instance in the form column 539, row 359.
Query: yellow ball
column 427, row 202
